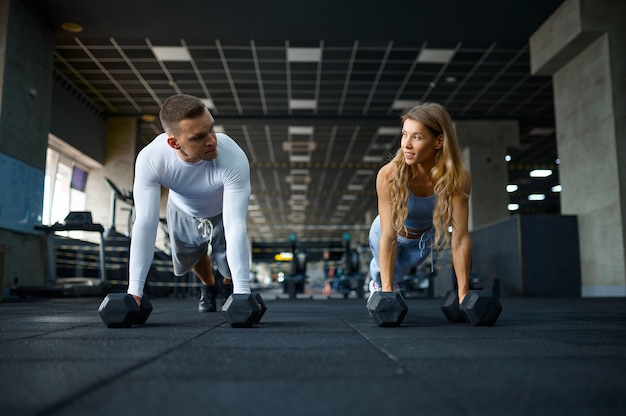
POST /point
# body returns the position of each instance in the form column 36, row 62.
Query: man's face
column 195, row 139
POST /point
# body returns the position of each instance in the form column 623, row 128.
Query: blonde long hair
column 447, row 174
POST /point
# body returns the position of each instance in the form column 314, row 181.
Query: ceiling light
column 304, row 130
column 382, row 146
column 304, row 54
column 148, row 118
column 405, row 104
column 300, row 158
column 298, row 177
column 536, row 197
column 209, row 103
column 450, row 80
column 557, row 188
column 296, row 217
column 513, row 207
column 540, row 173
column 541, row 131
column 507, row 158
column 435, row 56
column 284, row 256
column 71, row 27
column 511, row 188
column 172, row 53
column 372, row 159
column 294, row 202
column 299, row 146
column 302, row 104
column 298, row 187
column 299, row 151
column 388, row 131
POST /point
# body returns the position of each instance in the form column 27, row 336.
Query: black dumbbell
column 243, row 310
column 479, row 307
column 259, row 300
column 387, row 308
column 119, row 310
column 450, row 307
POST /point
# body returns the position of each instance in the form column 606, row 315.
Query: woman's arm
column 461, row 241
column 388, row 244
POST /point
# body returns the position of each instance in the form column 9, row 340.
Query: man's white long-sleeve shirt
column 203, row 190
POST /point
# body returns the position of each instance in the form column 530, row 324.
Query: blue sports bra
column 420, row 211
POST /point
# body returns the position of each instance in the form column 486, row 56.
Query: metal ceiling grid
column 354, row 87
column 361, row 79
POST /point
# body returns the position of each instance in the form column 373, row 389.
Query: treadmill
column 68, row 286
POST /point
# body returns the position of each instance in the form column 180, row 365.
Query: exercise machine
column 68, row 286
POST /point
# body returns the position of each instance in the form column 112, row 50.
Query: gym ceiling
column 313, row 90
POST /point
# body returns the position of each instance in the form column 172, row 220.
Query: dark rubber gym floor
column 313, row 357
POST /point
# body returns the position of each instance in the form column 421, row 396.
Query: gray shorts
column 189, row 245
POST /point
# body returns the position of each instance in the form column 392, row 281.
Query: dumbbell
column 120, row 310
column 387, row 308
column 479, row 307
column 243, row 310
column 259, row 300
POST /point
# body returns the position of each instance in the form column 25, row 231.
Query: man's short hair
column 177, row 108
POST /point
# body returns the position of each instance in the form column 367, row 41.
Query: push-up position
column 422, row 191
column 208, row 177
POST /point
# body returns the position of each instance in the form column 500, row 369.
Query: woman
column 422, row 192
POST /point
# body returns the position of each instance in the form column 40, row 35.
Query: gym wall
column 530, row 255
column 26, row 62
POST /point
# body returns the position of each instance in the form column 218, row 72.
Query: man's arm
column 147, row 198
column 235, row 211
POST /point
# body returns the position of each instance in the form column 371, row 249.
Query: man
column 208, row 177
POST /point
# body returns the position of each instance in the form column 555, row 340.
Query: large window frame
column 64, row 185
column 60, row 196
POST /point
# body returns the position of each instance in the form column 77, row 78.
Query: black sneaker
column 227, row 290
column 207, row 298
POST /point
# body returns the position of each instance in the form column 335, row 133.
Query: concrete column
column 26, row 60
column 484, row 145
column 4, row 32
column 582, row 46
column 119, row 166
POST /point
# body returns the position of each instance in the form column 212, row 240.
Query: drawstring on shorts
column 206, row 226
column 422, row 245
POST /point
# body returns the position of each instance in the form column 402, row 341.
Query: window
column 60, row 193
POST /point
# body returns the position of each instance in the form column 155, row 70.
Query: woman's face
column 418, row 143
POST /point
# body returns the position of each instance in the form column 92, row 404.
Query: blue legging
column 411, row 252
